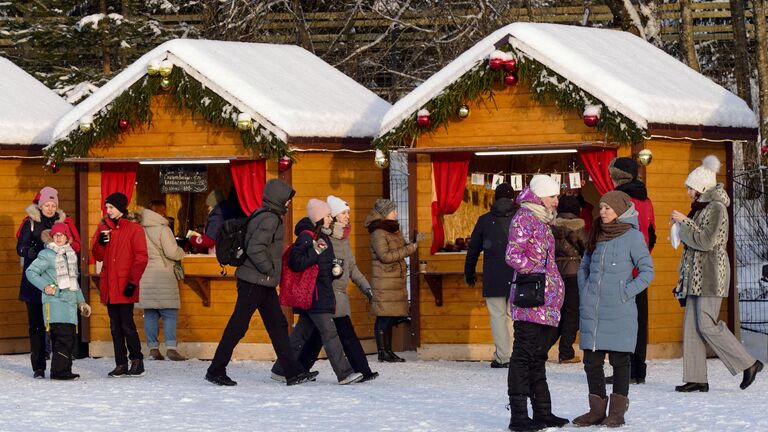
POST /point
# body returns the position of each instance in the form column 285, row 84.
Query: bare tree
column 742, row 69
column 686, row 35
column 762, row 63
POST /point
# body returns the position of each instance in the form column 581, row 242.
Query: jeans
column 151, row 317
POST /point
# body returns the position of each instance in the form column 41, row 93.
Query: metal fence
column 398, row 192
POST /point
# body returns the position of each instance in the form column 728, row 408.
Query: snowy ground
column 413, row 396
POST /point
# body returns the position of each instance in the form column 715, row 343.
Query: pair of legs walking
column 125, row 340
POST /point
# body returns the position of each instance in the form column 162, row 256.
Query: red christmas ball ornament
column 423, row 121
column 123, row 124
column 510, row 65
column 510, row 79
column 591, row 120
column 764, row 150
column 54, row 167
column 495, row 63
column 284, row 164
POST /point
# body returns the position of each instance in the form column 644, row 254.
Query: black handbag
column 529, row 288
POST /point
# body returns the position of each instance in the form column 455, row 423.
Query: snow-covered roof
column 620, row 69
column 28, row 109
column 285, row 88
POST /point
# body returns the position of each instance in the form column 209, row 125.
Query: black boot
column 541, row 401
column 381, row 347
column 519, row 421
column 750, row 373
column 388, row 346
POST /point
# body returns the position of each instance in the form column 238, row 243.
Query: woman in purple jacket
column 531, row 249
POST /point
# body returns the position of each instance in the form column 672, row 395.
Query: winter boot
column 174, row 355
column 154, row 354
column 388, row 346
column 66, row 376
column 119, row 371
column 518, row 406
column 220, row 380
column 616, row 410
column 541, row 401
column 137, row 368
column 596, row 414
column 750, row 373
column 381, row 347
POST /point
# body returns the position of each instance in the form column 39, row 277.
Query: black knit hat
column 504, row 190
column 569, row 204
column 623, row 170
column 118, row 201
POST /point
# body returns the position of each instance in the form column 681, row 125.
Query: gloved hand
column 418, row 237
column 129, row 290
column 85, row 309
column 470, row 280
column 369, row 296
column 31, row 253
column 103, row 238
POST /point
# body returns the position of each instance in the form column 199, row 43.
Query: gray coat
column 159, row 287
column 342, row 250
column 264, row 237
column 607, row 310
column 704, row 267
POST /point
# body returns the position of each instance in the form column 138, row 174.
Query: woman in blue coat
column 607, row 311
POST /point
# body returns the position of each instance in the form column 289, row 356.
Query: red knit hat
column 61, row 228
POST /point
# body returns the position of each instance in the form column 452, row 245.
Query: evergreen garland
column 134, row 105
column 478, row 83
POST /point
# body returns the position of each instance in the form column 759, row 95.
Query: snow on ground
column 412, row 396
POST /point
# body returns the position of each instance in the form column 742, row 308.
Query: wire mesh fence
column 398, row 192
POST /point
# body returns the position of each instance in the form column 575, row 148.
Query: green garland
column 134, row 105
column 477, row 85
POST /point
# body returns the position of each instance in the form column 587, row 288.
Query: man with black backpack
column 257, row 276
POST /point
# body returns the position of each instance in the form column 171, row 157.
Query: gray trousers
column 700, row 326
column 333, row 349
column 501, row 327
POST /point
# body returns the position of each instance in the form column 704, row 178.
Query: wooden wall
column 20, row 180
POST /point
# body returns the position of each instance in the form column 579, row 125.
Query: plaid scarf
column 66, row 266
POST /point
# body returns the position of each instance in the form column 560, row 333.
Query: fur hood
column 46, row 237
column 571, row 224
column 34, row 213
column 716, row 194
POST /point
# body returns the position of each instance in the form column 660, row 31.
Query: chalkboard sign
column 183, row 178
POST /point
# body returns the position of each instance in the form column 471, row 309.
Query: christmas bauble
column 764, row 150
column 423, row 121
column 123, row 124
column 165, row 84
column 495, row 63
column 591, row 120
column 85, row 127
column 510, row 79
column 380, row 159
column 463, row 111
column 645, row 157
column 165, row 69
column 510, row 65
column 54, row 167
column 284, row 164
column 153, row 68
column 244, row 122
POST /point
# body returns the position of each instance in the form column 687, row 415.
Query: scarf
column 540, row 212
column 66, row 266
column 695, row 207
column 340, row 230
column 387, row 225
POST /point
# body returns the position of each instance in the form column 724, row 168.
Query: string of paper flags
column 566, row 179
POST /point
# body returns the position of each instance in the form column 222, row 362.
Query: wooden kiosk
column 28, row 113
column 235, row 114
column 546, row 98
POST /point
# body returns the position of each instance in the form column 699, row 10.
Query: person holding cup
column 121, row 246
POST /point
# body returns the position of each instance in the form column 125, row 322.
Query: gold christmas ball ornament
column 244, row 122
column 380, row 159
column 153, row 68
column 86, row 124
column 644, row 157
column 165, row 69
column 463, row 111
column 165, row 84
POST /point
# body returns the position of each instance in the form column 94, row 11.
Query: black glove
column 470, row 280
column 129, row 290
column 369, row 296
column 103, row 238
column 31, row 253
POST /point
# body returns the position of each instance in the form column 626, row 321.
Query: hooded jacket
column 531, row 249
column 303, row 255
column 159, row 287
column 570, row 243
column 704, row 267
column 638, row 193
column 264, row 237
column 607, row 309
column 490, row 237
column 123, row 258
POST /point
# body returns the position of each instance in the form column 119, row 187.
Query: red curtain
column 596, row 162
column 117, row 177
column 449, row 176
column 249, row 177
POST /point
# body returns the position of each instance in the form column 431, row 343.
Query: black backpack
column 231, row 245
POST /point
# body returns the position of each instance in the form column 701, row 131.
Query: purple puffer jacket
column 529, row 240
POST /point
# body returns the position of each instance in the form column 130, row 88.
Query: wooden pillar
column 733, row 297
column 81, row 223
column 413, row 222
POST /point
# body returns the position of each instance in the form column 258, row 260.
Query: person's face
column 692, row 194
column 392, row 215
column 60, row 239
column 49, row 209
column 550, row 202
column 327, row 220
column 113, row 212
column 343, row 217
column 159, row 209
column 607, row 214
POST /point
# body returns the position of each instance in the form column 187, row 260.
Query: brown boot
column 174, row 355
column 154, row 354
column 618, row 407
column 596, row 412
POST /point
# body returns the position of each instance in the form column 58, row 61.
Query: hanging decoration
column 645, row 156
column 53, row 166
column 284, row 164
column 165, row 84
column 510, row 79
column 244, row 122
column 591, row 115
column 573, row 179
column 423, row 119
column 153, row 67
column 463, row 111
column 496, row 60
column 165, row 69
column 510, row 64
column 123, row 124
column 380, row 159
column 86, row 124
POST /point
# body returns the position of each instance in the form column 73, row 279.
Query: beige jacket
column 159, row 287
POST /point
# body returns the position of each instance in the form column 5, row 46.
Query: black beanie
column 503, row 190
column 118, row 201
column 569, row 204
column 623, row 170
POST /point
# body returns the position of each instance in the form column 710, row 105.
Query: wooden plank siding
column 20, row 180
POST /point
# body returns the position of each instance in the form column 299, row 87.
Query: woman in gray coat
column 607, row 309
column 704, row 279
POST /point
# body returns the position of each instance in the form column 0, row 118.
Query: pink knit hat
column 317, row 209
column 48, row 194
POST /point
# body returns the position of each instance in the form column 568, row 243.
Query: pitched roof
column 623, row 71
column 287, row 89
column 28, row 109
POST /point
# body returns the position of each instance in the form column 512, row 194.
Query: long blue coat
column 607, row 290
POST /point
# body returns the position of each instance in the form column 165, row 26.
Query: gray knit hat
column 384, row 206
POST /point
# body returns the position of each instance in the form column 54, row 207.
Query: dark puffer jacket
column 570, row 243
column 490, row 238
column 303, row 255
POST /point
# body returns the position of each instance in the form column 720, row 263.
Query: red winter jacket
column 124, row 259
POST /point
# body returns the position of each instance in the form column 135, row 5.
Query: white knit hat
column 544, row 186
column 704, row 177
column 337, row 205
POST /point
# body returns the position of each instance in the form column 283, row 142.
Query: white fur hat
column 704, row 177
column 337, row 204
column 543, row 186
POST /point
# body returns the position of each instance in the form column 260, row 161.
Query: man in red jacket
column 122, row 248
column 623, row 172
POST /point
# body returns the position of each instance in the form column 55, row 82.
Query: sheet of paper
column 516, row 181
column 478, row 179
column 497, row 180
column 574, row 180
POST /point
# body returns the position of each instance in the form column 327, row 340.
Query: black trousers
column 63, row 339
column 637, row 359
column 125, row 337
column 36, row 335
column 593, row 366
column 527, row 366
column 569, row 318
column 251, row 297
